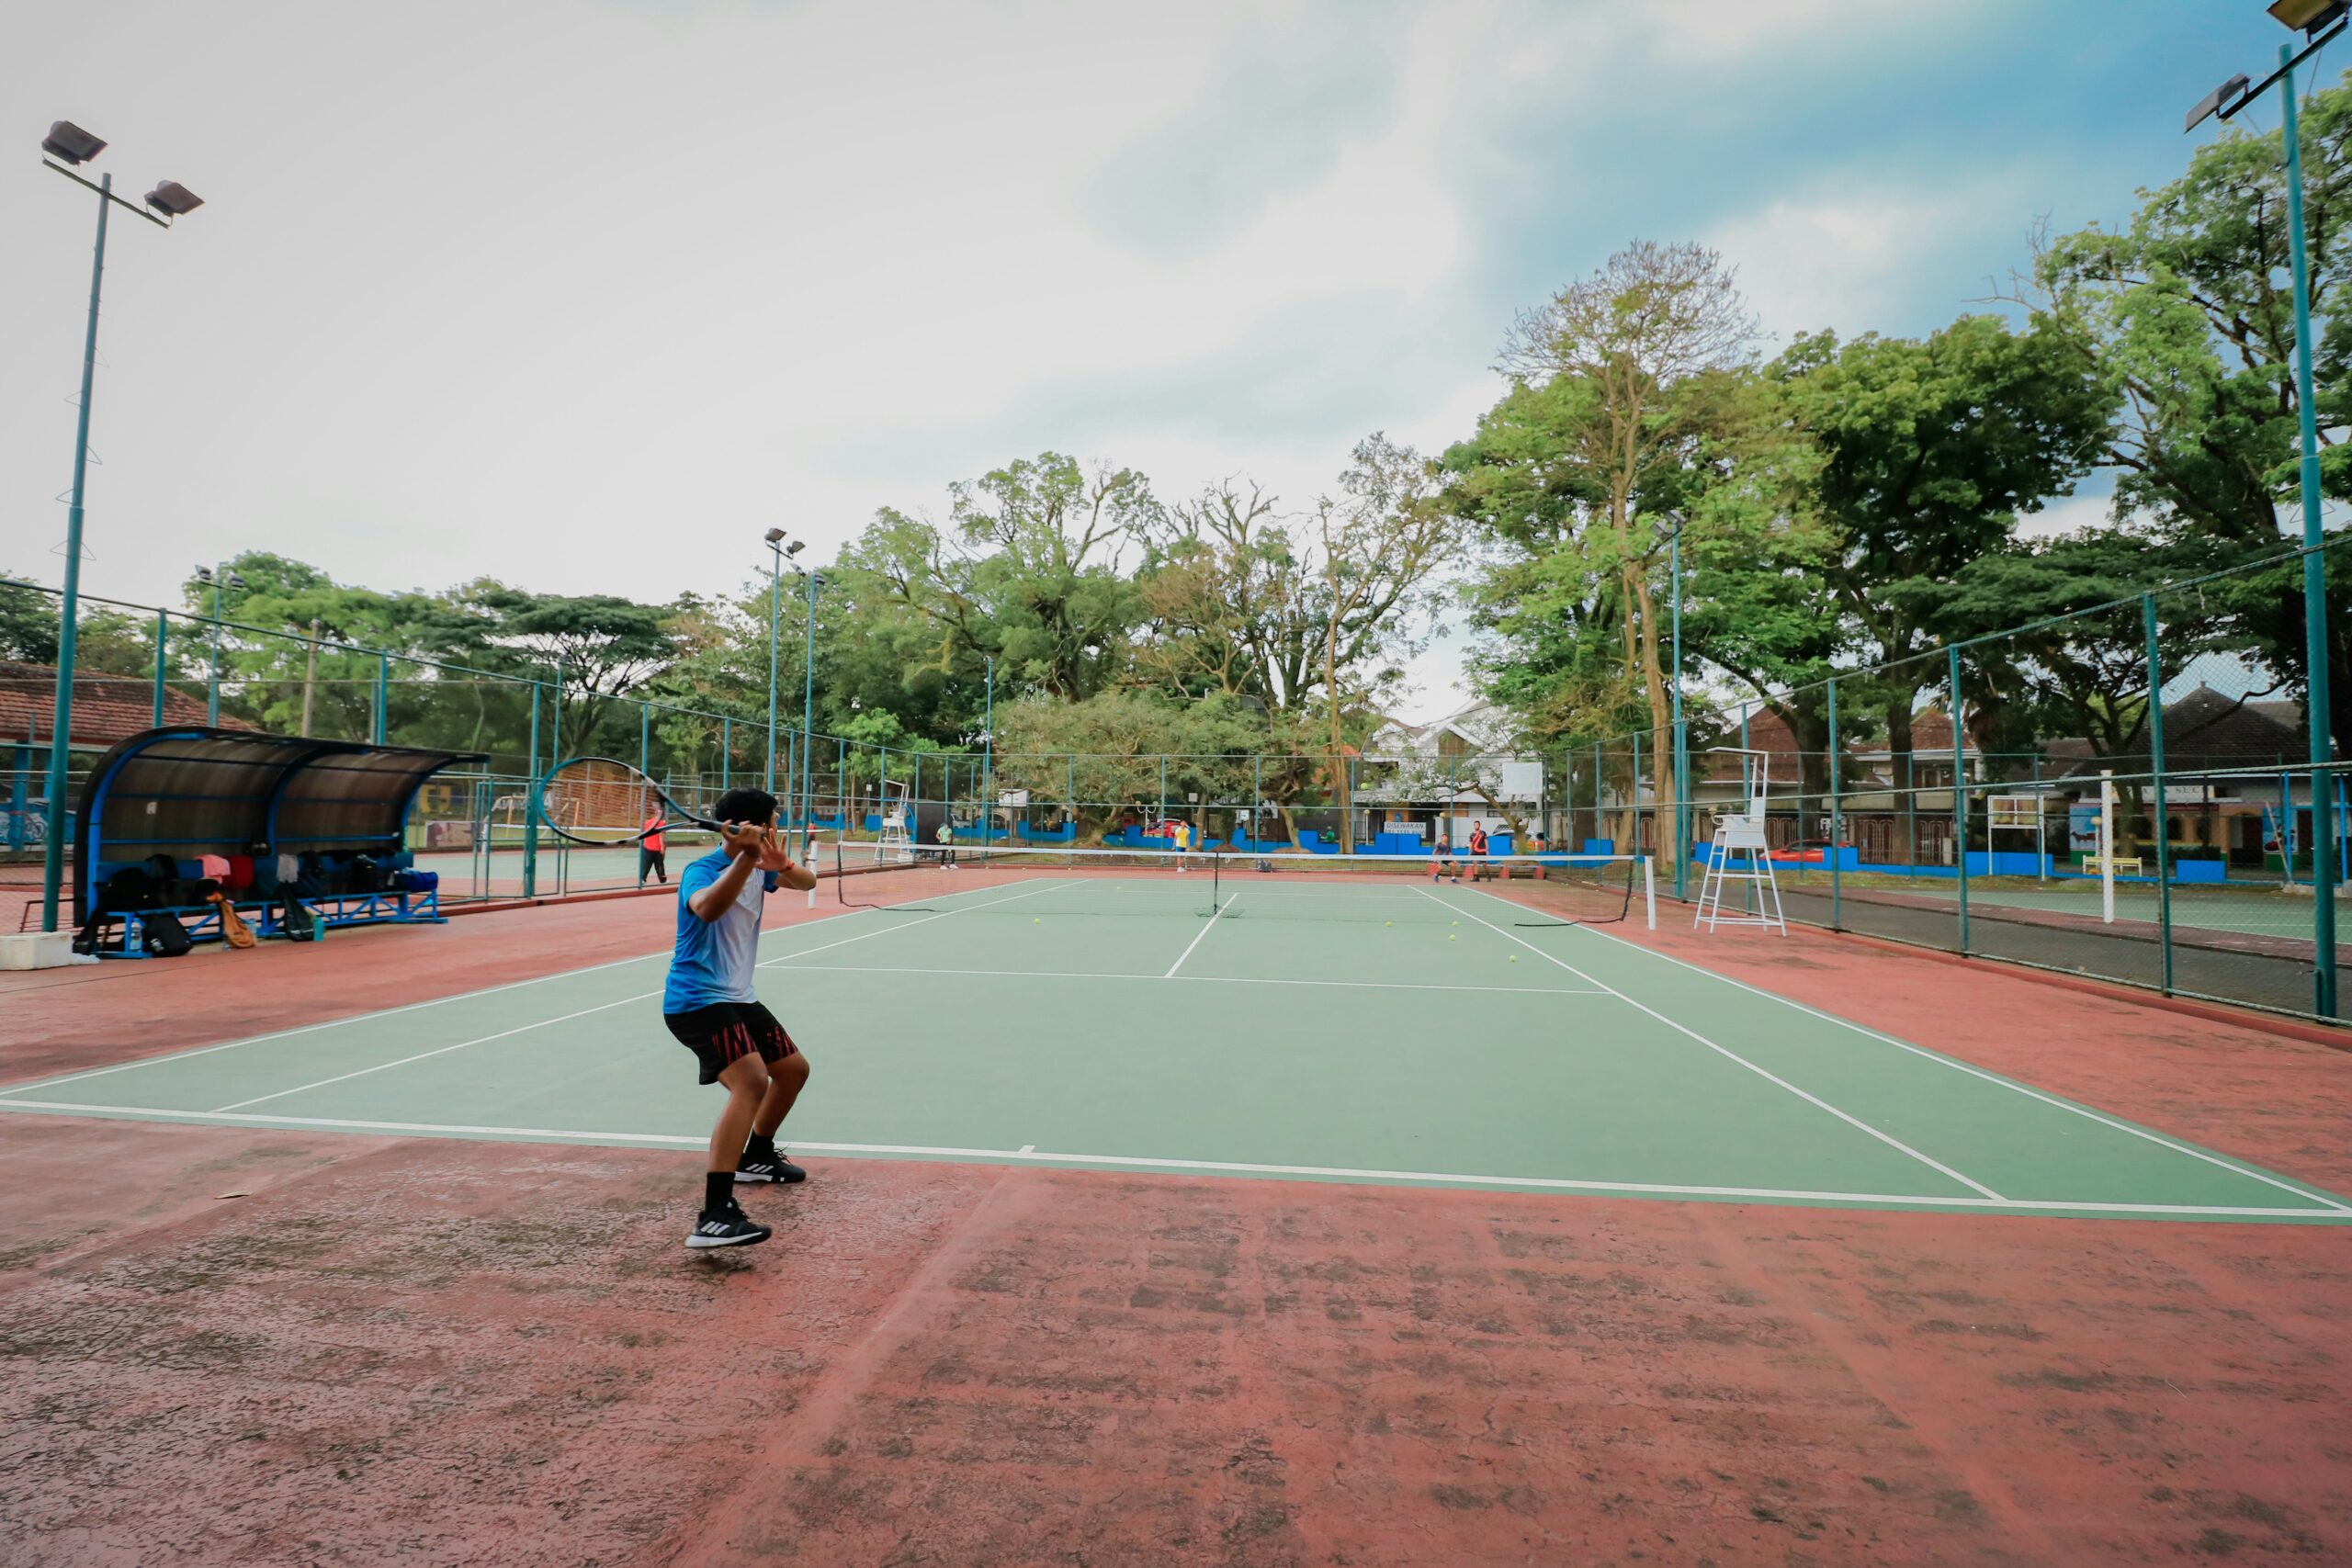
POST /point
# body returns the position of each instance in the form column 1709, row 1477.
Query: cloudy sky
column 586, row 294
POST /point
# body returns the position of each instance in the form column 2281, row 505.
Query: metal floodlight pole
column 987, row 759
column 1681, row 764
column 74, row 145
column 221, row 578
column 807, row 707
column 2315, row 567
column 163, row 667
column 775, row 614
column 2319, row 20
column 61, row 728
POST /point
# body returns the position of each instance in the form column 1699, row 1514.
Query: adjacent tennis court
column 1330, row 1027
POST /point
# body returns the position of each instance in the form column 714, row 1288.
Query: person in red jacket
column 648, row 850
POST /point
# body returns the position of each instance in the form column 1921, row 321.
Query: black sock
column 717, row 1191
column 761, row 1143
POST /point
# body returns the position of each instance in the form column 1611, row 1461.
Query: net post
column 1649, row 891
column 2155, row 723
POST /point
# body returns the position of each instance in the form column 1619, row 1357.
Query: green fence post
column 383, row 694
column 1959, row 797
column 531, row 806
column 1911, row 813
column 163, row 640
column 1837, row 820
column 2155, row 723
column 726, row 745
column 1257, row 797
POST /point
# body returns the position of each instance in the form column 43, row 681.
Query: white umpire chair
column 1741, row 858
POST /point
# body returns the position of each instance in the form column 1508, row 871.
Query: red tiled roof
column 106, row 708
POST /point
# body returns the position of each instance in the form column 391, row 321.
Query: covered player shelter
column 189, row 792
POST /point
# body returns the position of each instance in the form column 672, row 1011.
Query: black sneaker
column 768, row 1167
column 728, row 1227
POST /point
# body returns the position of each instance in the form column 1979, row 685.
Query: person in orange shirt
column 648, row 850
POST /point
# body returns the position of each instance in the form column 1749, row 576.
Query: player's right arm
column 742, row 841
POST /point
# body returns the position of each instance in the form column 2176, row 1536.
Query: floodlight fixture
column 2306, row 17
column 173, row 200
column 71, row 144
column 795, row 548
column 775, row 535
column 2226, row 96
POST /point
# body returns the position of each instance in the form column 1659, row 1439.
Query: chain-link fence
column 2126, row 792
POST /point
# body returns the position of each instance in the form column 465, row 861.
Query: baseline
column 1238, row 1168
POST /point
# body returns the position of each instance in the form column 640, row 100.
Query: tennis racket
column 604, row 802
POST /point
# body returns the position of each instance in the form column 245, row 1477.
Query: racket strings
column 599, row 800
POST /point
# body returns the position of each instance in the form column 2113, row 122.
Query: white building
column 1450, row 774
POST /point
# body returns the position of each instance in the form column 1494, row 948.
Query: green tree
column 27, row 623
column 1031, row 567
column 1646, row 344
column 2190, row 307
column 1928, row 450
column 598, row 646
column 1307, row 619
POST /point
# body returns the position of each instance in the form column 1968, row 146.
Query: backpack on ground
column 163, row 936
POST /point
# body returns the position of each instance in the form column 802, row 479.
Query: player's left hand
column 773, row 855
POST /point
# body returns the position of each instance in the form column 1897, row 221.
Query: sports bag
column 163, row 935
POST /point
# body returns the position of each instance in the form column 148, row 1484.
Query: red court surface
column 419, row 1350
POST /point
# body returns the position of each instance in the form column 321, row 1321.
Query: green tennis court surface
column 1391, row 1033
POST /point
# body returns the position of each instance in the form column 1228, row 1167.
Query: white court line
column 1236, row 1167
column 601, row 1007
column 1187, row 979
column 1208, row 926
column 908, row 925
column 1889, row 1140
column 328, row 1023
column 437, row 1051
column 388, row 1012
column 1976, row 1072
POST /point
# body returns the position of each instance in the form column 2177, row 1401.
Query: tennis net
column 1248, row 885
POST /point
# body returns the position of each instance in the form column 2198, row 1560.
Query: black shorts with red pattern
column 725, row 1032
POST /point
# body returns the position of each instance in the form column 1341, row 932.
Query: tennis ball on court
column 1387, row 922
column 1514, row 958
column 1450, row 937
column 1037, row 920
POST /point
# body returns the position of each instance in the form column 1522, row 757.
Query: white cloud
column 1853, row 261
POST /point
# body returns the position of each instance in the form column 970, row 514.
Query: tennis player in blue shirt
column 712, row 1006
